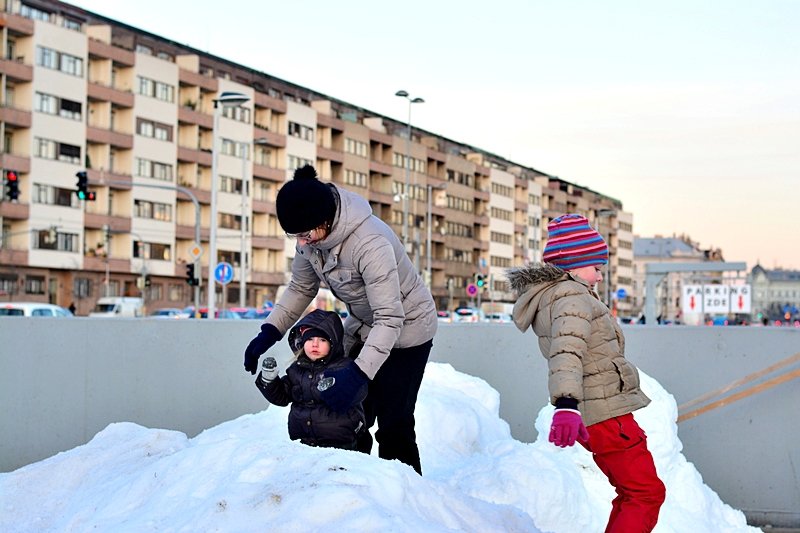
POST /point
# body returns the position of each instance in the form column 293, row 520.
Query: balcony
column 113, row 180
column 15, row 117
column 16, row 23
column 190, row 116
column 327, row 121
column 98, row 263
column 13, row 210
column 105, row 50
column 268, row 102
column 263, row 207
column 193, row 155
column 380, row 168
column 520, row 206
column 103, row 136
column 186, row 232
column 208, row 84
column 278, row 175
column 20, row 164
column 11, row 256
column 267, row 278
column 16, row 70
column 329, row 154
column 116, row 224
column 482, row 195
column 203, row 195
column 381, row 197
column 383, row 138
column 268, row 242
column 105, row 93
column 436, row 155
column 270, row 137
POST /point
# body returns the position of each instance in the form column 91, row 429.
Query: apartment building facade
column 136, row 112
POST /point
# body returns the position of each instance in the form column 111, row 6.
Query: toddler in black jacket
column 317, row 342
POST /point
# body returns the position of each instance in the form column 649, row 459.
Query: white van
column 119, row 306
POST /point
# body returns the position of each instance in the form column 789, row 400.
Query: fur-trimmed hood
column 530, row 283
column 522, row 278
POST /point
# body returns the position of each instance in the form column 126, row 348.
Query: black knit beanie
column 310, row 333
column 305, row 203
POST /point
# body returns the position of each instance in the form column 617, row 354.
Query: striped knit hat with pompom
column 573, row 243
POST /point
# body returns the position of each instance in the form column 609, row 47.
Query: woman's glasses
column 306, row 235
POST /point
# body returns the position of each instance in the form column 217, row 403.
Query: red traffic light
column 11, row 176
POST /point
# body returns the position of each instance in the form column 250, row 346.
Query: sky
column 687, row 111
column 246, row 475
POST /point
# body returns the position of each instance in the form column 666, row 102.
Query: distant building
column 135, row 113
column 675, row 249
column 776, row 293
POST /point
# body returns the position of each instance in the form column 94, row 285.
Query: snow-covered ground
column 246, row 475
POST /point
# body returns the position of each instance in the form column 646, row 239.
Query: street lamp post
column 429, row 242
column 227, row 99
column 607, row 213
column 406, row 198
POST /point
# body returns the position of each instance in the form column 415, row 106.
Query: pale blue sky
column 687, row 111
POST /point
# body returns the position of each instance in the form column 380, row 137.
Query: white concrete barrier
column 63, row 380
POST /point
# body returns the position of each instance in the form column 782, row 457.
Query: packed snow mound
column 246, row 475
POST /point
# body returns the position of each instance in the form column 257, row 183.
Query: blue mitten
column 261, row 343
column 342, row 387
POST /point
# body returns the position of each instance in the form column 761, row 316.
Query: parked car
column 169, row 312
column 444, row 316
column 467, row 314
column 119, row 306
column 218, row 313
column 503, row 318
column 33, row 309
column 250, row 312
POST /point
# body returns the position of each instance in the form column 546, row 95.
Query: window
column 352, row 146
column 52, row 59
column 156, row 89
column 34, row 284
column 65, row 242
column 47, row 194
column 71, row 24
column 155, row 130
column 228, row 221
column 502, row 190
column 301, row 131
column 503, row 262
column 502, row 214
column 417, row 165
column 48, row 149
column 143, row 49
column 234, row 148
column 459, row 230
column 152, row 250
column 34, row 13
column 457, row 255
column 53, row 105
column 240, row 113
column 351, row 177
column 460, row 204
column 460, row 178
column 153, row 169
column 81, row 287
column 153, row 210
column 502, row 238
column 297, row 162
column 230, row 184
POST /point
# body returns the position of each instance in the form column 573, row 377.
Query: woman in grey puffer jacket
column 391, row 314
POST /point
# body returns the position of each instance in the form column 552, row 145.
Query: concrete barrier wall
column 63, row 380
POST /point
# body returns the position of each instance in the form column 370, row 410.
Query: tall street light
column 607, row 213
column 243, row 250
column 428, row 224
column 226, row 99
column 406, row 199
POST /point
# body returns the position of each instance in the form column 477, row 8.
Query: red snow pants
column 619, row 448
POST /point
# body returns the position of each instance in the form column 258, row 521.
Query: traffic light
column 190, row 277
column 82, row 190
column 147, row 281
column 12, row 185
column 480, row 280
